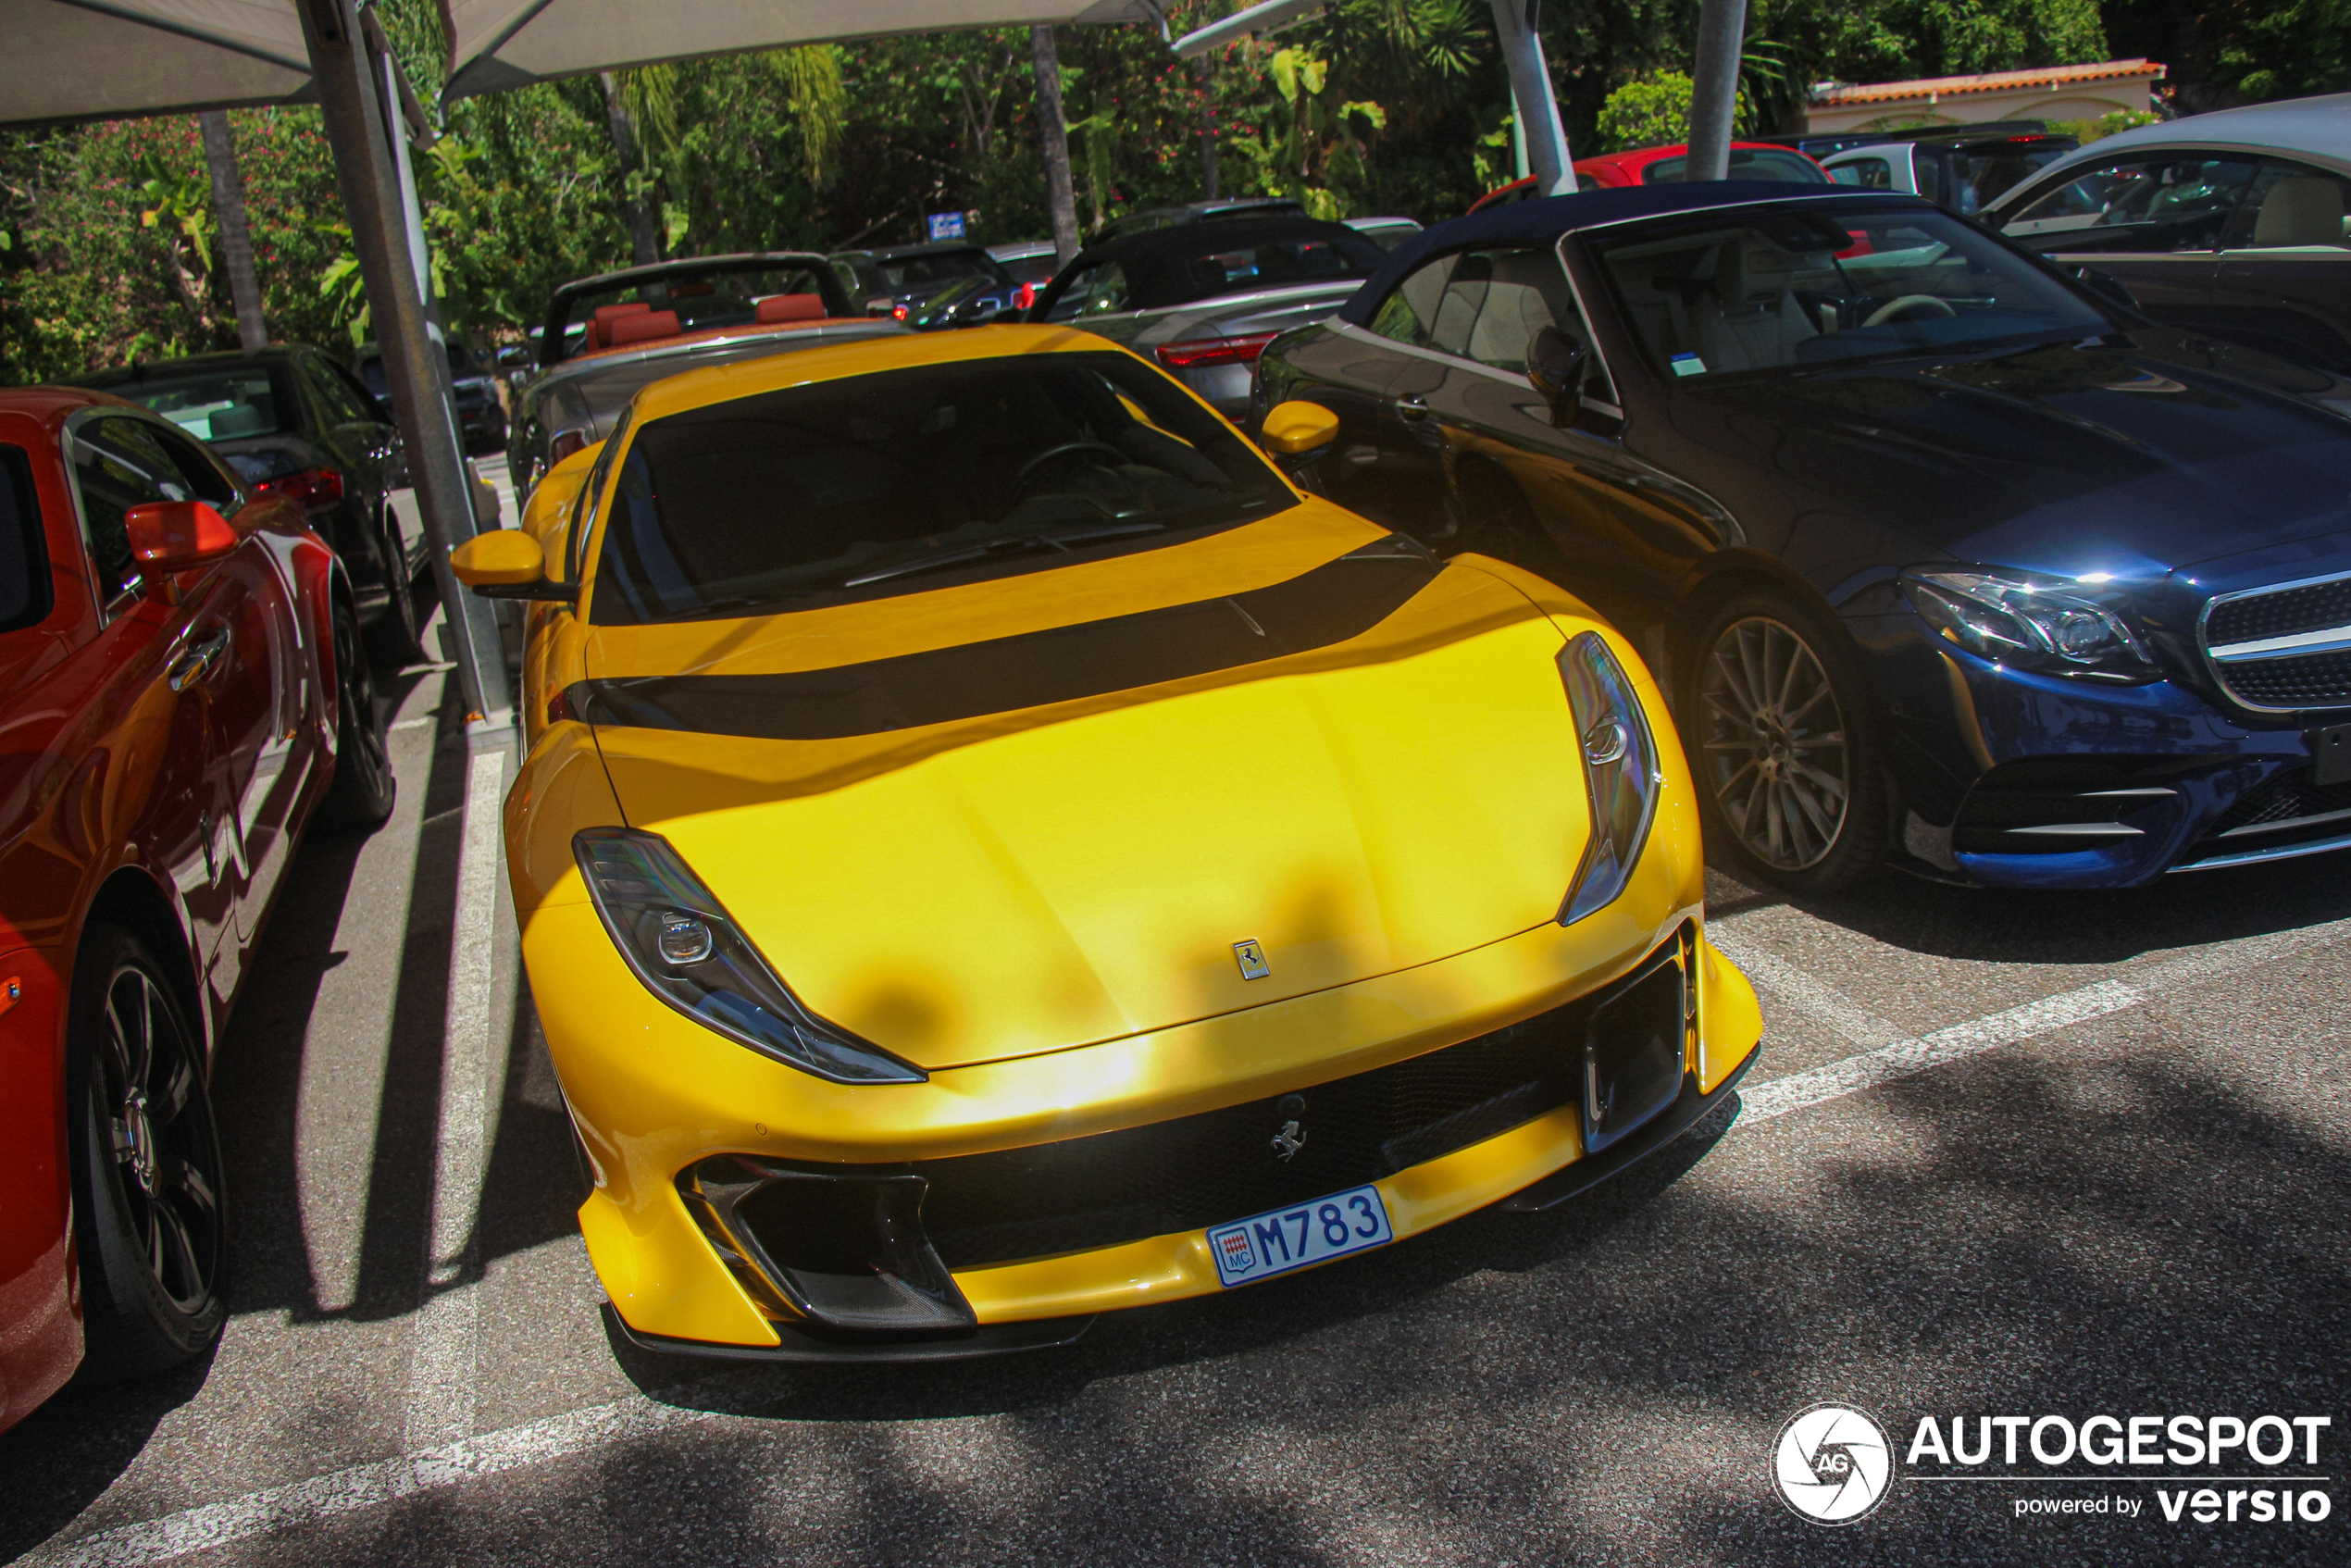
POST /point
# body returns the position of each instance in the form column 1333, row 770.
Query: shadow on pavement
column 2017, row 926
column 2125, row 1235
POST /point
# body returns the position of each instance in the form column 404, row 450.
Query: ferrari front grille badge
column 1291, row 1137
column 1252, row 959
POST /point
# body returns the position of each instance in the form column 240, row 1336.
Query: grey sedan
column 1206, row 298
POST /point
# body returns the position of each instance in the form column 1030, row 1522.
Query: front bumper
column 657, row 1099
column 2014, row 780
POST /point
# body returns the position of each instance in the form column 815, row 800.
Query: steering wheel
column 1897, row 305
column 1061, row 451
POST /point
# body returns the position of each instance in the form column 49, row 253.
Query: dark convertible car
column 1945, row 558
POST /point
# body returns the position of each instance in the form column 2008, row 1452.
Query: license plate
column 1315, row 1231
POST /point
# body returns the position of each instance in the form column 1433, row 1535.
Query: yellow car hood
column 1047, row 874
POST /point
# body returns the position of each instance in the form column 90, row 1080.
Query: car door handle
column 1411, row 407
column 196, row 662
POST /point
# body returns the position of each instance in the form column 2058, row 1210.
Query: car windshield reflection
column 1786, row 290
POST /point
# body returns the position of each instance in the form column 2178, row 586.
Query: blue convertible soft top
column 1537, row 221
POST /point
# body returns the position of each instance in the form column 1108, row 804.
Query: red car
column 181, row 689
column 1655, row 165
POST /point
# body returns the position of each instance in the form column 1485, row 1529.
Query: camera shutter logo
column 1833, row 1463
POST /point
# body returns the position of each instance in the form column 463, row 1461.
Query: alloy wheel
column 159, row 1139
column 362, row 737
column 1775, row 750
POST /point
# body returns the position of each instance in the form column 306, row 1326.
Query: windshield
column 1775, row 290
column 1746, row 163
column 870, row 484
column 920, row 271
column 225, row 404
column 1982, row 173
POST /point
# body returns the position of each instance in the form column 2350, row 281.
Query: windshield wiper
column 1058, row 539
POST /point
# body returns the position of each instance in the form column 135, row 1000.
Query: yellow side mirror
column 1298, row 427
column 506, row 564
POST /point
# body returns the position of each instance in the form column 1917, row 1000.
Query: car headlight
column 689, row 952
column 1620, row 774
column 2033, row 624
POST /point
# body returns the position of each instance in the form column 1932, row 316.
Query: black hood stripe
column 1337, row 601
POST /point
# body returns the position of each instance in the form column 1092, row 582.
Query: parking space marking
column 1901, row 1057
column 445, row 1350
column 452, row 1462
column 366, row 1486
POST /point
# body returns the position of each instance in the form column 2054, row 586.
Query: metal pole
column 1054, row 130
column 350, row 100
column 1538, row 110
column 1714, row 87
column 236, row 236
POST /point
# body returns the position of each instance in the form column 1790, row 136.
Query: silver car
column 2236, row 223
column 609, row 335
column 1205, row 298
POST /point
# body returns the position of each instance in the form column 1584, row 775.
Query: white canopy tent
column 66, row 61
column 501, row 43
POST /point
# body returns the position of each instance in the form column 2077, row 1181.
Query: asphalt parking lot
column 2002, row 1155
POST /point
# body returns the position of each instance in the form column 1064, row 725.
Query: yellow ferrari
column 992, row 849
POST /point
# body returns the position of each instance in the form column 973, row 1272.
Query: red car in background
column 1655, row 165
column 181, row 688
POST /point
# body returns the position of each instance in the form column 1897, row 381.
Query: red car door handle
column 196, row 662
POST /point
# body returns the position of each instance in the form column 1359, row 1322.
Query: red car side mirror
column 169, row 537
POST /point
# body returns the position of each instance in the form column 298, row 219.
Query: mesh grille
column 2281, row 799
column 2314, row 608
column 2311, row 680
column 1198, row 1171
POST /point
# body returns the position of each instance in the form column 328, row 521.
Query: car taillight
column 898, row 311
column 564, row 445
column 313, row 490
column 1196, row 351
column 1027, row 298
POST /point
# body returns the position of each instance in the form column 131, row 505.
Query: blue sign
column 946, row 226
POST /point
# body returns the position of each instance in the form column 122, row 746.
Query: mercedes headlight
column 2015, row 619
column 689, row 952
column 1620, row 774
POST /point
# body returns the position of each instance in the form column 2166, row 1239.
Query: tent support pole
column 350, row 99
column 1714, row 89
column 1535, row 107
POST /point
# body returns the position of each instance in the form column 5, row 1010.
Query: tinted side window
column 2153, row 201
column 1870, row 174
column 118, row 464
column 1494, row 302
column 1098, row 290
column 1409, row 314
column 345, row 401
column 207, row 478
column 24, row 558
column 2291, row 204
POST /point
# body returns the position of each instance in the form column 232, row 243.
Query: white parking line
column 576, row 1432
column 1899, row 1058
column 365, row 1486
column 443, row 1354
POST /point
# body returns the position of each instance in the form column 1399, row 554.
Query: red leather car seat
column 643, row 328
column 600, row 325
column 791, row 307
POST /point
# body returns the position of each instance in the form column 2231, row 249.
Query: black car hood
column 2136, row 456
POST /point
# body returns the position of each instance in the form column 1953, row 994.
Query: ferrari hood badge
column 1252, row 959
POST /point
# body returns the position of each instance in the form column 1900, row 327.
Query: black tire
column 1783, row 745
column 364, row 789
column 150, row 1211
column 397, row 638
